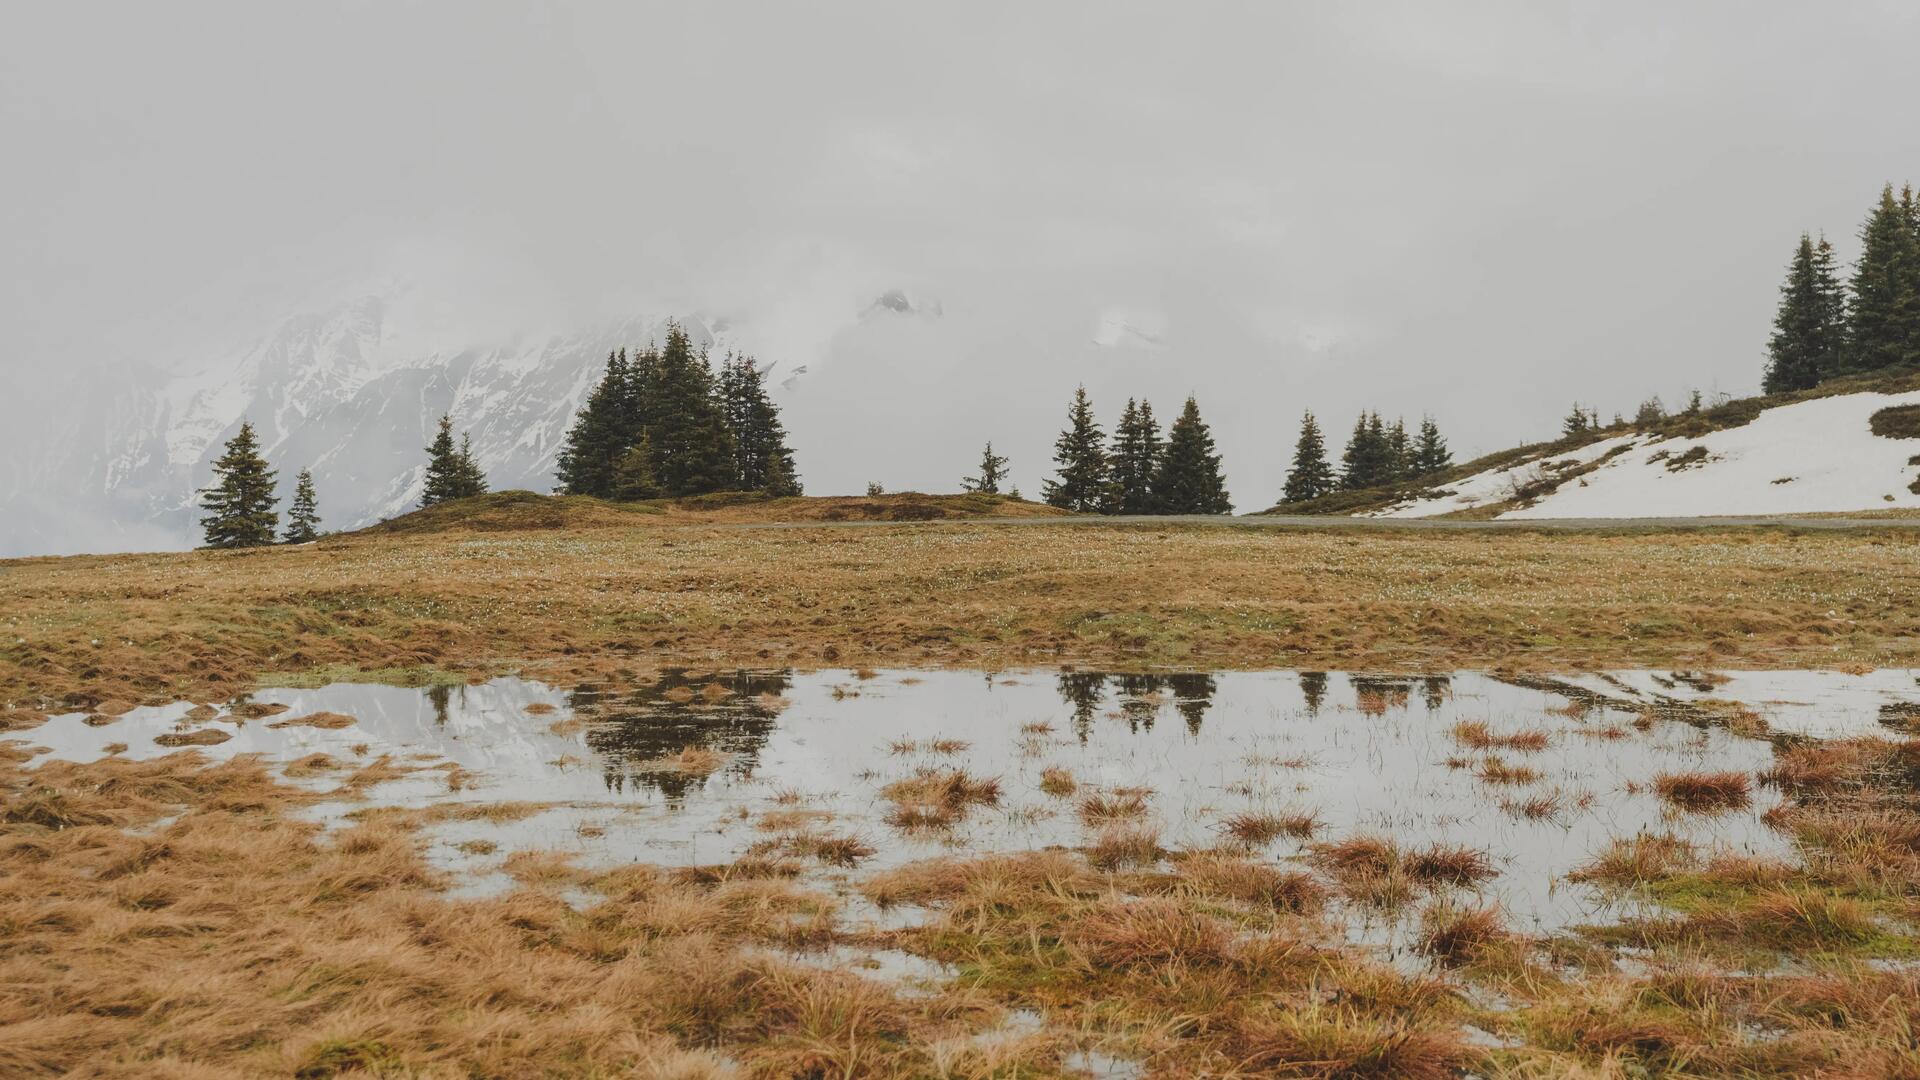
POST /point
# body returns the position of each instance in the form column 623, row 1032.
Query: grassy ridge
column 496, row 585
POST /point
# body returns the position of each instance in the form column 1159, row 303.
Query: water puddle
column 850, row 772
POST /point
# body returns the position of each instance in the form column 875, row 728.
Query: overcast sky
column 1483, row 211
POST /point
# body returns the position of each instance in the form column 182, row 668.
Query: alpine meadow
column 996, row 542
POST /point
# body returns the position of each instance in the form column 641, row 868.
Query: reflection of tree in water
column 682, row 709
column 441, row 694
column 1375, row 694
column 1434, row 689
column 1139, row 698
column 1314, row 685
column 1082, row 691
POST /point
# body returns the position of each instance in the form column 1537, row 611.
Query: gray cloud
column 1482, row 210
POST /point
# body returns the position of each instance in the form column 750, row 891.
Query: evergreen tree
column 1368, row 459
column 1311, row 475
column 303, row 514
column 993, row 469
column 1651, row 412
column 600, row 433
column 633, row 478
column 762, row 460
column 1136, row 459
column 1189, row 480
column 1081, row 456
column 693, row 451
column 1884, row 320
column 471, row 479
column 451, row 471
column 1808, row 330
column 240, row 503
column 1399, row 452
column 1576, row 422
column 1430, row 453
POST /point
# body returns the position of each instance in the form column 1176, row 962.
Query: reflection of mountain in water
column 1084, row 692
column 733, row 713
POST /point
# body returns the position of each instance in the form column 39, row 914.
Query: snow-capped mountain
column 347, row 391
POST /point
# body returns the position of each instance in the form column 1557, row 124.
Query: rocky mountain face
column 341, row 391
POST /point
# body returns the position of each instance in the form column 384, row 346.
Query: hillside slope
column 1844, row 448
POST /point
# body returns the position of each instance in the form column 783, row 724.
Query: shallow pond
column 812, row 752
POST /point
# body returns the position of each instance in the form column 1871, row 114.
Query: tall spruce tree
column 1189, row 480
column 1311, row 476
column 1081, row 459
column 240, row 502
column 761, row 459
column 1368, row 459
column 993, row 469
column 600, row 434
column 1809, row 329
column 1884, row 317
column 693, row 450
column 1430, row 453
column 633, row 478
column 1399, row 452
column 452, row 472
column 1136, row 459
column 471, row 479
column 303, row 514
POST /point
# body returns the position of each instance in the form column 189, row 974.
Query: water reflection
column 1140, row 698
column 732, row 713
column 1360, row 753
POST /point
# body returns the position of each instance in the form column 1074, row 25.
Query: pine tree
column 1081, row 456
column 1808, row 330
column 1189, row 480
column 1576, row 422
column 1136, row 458
column 452, row 472
column 993, row 469
column 1884, row 318
column 599, row 435
column 633, row 478
column 1311, row 475
column 1399, row 452
column 240, row 502
column 471, row 479
column 693, row 451
column 303, row 514
column 1430, row 453
column 762, row 460
column 1368, row 459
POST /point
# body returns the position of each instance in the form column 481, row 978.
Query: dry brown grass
column 1058, row 782
column 1705, row 792
column 325, row 720
column 937, row 798
column 571, row 601
column 1258, row 828
column 1637, row 861
column 1456, row 935
column 1478, row 735
column 1124, row 846
column 1103, row 807
column 692, row 761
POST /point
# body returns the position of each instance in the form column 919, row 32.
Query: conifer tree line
column 1376, row 455
column 1138, row 471
column 663, row 422
column 1869, row 322
column 240, row 502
